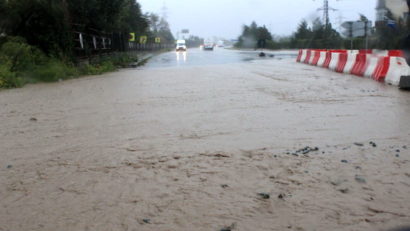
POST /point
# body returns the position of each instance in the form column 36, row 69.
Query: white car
column 181, row 45
column 209, row 46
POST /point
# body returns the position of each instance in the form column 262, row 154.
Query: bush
column 97, row 69
column 9, row 79
column 21, row 63
column 53, row 70
column 19, row 55
column 118, row 59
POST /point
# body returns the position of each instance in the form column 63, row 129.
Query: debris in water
column 215, row 155
column 264, row 195
column 344, row 190
column 360, row 179
column 33, row 119
column 344, row 161
column 305, row 151
column 229, row 228
column 147, row 221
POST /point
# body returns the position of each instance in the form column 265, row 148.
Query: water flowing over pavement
column 222, row 139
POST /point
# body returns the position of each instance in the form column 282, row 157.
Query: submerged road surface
column 220, row 140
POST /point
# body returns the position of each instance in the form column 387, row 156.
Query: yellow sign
column 132, row 37
column 157, row 40
column 143, row 39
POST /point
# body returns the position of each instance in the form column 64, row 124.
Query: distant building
column 398, row 8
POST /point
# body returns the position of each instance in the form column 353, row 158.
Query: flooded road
column 224, row 139
column 219, row 56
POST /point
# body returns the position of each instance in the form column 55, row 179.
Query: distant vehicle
column 208, row 46
column 181, row 45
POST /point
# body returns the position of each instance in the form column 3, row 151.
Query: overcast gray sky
column 224, row 18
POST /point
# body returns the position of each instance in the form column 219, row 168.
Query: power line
column 325, row 10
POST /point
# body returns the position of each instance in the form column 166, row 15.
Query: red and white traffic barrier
column 360, row 65
column 351, row 60
column 315, row 58
column 312, row 56
column 307, row 58
column 398, row 68
column 382, row 68
column 322, row 59
column 303, row 55
column 388, row 66
column 372, row 62
column 327, row 59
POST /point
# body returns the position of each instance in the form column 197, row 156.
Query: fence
column 97, row 43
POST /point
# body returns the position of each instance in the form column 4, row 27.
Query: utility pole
column 326, row 9
column 164, row 11
column 326, row 12
column 366, row 34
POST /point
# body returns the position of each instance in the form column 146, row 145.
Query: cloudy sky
column 224, row 18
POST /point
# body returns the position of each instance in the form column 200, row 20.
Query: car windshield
column 213, row 115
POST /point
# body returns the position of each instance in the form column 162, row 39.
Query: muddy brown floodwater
column 206, row 147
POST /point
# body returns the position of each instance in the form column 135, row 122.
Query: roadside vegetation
column 37, row 37
column 392, row 34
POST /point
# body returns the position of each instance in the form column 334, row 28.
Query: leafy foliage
column 21, row 63
column 36, row 39
column 47, row 24
column 319, row 36
column 254, row 36
column 159, row 27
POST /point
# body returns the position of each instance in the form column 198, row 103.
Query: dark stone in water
column 344, row 190
column 264, row 195
column 360, row 179
column 147, row 221
column 373, row 144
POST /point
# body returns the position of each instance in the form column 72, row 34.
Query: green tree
column 159, row 27
column 48, row 24
column 303, row 31
column 254, row 36
column 303, row 36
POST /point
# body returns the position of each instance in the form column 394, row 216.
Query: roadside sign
column 157, row 40
column 143, row 39
column 356, row 29
column 131, row 37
